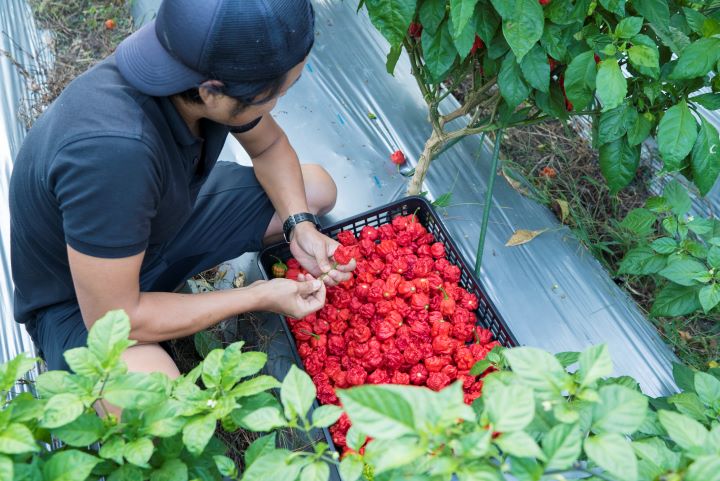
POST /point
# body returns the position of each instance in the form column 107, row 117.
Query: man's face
column 224, row 110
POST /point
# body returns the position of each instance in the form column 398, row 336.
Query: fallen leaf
column 522, row 236
column 239, row 280
column 564, row 209
column 685, row 336
column 513, row 183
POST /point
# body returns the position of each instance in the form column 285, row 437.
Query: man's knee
column 320, row 188
column 150, row 358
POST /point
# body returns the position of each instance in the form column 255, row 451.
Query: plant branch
column 474, row 100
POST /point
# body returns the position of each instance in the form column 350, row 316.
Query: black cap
column 243, row 43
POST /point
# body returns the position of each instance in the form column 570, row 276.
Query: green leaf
column 684, row 376
column 710, row 101
column 709, row 297
column 136, row 390
column 620, row 410
column 82, row 432
column 264, row 419
column 618, row 163
column 272, row 466
column 461, row 11
column 705, row 160
column 83, row 362
column 378, row 411
column 580, row 79
column 51, row 383
column 464, row 41
column 480, row 367
column 258, row 448
column 254, row 386
column 676, row 135
column 613, row 453
column 17, row 439
column 536, row 69
column 613, row 124
column 432, row 13
column 683, row 271
column 391, row 17
column 355, row 439
column 325, row 416
column 655, row 11
column 615, row 6
column 351, row 468
column 640, row 221
column 685, row 431
column 511, row 83
column 139, row 451
column 540, row 370
column 567, row 358
column 386, row 454
column 704, row 468
column 522, row 23
column 707, row 388
column 611, row 84
column 317, row 471
column 108, row 337
column 439, row 52
column 510, row 408
column 689, row 404
column 205, row 342
column 520, row 444
column 628, row 27
column 390, row 64
column 595, row 363
column 713, row 257
column 486, row 22
column 113, row 449
column 164, row 420
column 677, row 197
column 62, row 409
column 225, row 466
column 697, row 59
column 6, row 469
column 664, row 245
column 562, row 446
column 655, row 451
column 126, row 472
column 641, row 261
column 70, row 465
column 297, row 393
column 14, row 369
column 674, row 300
column 237, row 364
column 644, row 56
column 171, row 470
column 640, row 129
column 197, row 433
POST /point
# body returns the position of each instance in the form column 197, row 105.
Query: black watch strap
column 295, row 219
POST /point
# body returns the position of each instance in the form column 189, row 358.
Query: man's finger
column 349, row 267
column 309, row 287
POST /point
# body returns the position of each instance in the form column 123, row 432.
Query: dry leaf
column 239, row 280
column 564, row 209
column 513, row 183
column 685, row 336
column 522, row 236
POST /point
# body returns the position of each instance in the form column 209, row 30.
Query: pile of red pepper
column 402, row 318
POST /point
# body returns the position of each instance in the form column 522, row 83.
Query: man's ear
column 210, row 92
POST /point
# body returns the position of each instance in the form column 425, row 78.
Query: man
column 116, row 197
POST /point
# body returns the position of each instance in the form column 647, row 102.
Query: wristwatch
column 295, row 219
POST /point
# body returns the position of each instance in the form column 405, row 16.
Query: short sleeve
column 108, row 190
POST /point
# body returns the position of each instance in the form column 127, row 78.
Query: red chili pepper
column 346, row 238
column 397, row 157
column 344, row 254
column 477, row 45
column 415, row 30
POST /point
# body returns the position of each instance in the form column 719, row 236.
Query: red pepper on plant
column 279, row 269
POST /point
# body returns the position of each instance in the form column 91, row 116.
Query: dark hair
column 270, row 88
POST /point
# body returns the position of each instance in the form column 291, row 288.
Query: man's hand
column 313, row 251
column 290, row 298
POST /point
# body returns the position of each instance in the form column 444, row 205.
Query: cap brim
column 147, row 66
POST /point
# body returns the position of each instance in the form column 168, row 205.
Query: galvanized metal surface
column 20, row 42
column 552, row 293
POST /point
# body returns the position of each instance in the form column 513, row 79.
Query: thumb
column 323, row 263
column 309, row 287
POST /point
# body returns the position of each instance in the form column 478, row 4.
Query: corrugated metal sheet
column 21, row 42
column 552, row 292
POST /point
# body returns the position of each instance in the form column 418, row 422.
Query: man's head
column 243, row 49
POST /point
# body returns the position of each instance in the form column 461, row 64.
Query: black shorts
column 230, row 217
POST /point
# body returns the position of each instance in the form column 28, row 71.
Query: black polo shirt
column 108, row 170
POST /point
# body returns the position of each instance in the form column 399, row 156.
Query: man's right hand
column 291, row 298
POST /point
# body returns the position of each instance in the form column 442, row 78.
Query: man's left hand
column 314, row 250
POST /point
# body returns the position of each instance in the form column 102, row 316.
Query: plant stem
column 488, row 201
column 432, row 147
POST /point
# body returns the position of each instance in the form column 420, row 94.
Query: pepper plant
column 680, row 251
column 540, row 416
column 632, row 66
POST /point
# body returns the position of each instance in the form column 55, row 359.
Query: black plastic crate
column 486, row 313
